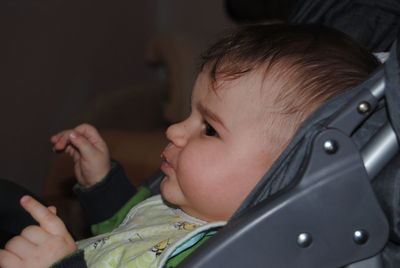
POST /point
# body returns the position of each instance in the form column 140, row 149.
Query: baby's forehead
column 260, row 84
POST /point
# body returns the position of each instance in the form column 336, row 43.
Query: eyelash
column 209, row 130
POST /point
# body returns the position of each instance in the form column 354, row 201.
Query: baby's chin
column 174, row 197
column 167, row 193
column 162, row 188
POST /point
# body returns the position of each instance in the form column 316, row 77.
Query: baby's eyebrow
column 210, row 114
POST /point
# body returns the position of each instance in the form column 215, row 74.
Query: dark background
column 56, row 55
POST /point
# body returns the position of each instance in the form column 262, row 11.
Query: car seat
column 332, row 197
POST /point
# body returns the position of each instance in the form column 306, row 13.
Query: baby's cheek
column 191, row 167
column 202, row 176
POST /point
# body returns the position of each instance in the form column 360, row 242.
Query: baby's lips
column 165, row 162
column 163, row 158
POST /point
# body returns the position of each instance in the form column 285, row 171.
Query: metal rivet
column 331, row 146
column 364, row 107
column 304, row 240
column 360, row 237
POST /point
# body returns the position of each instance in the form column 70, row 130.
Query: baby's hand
column 89, row 151
column 38, row 246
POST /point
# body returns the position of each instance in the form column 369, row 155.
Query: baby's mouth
column 165, row 164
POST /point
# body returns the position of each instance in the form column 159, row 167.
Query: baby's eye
column 209, row 130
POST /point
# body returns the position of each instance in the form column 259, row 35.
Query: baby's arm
column 106, row 204
column 38, row 246
column 88, row 150
column 107, row 194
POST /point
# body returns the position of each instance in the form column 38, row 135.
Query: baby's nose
column 177, row 134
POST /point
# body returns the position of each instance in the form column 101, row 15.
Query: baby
column 255, row 87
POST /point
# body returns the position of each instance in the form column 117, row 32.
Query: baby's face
column 219, row 153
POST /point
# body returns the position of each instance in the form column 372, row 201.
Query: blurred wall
column 206, row 17
column 57, row 54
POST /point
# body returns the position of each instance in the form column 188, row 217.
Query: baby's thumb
column 86, row 149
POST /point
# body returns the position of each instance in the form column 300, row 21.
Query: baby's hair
column 311, row 63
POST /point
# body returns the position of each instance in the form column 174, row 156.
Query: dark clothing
column 13, row 218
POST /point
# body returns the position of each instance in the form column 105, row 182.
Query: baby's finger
column 74, row 153
column 47, row 220
column 53, row 209
column 35, row 234
column 56, row 138
column 85, row 147
column 71, row 150
column 9, row 259
column 92, row 134
column 62, row 141
column 20, row 246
